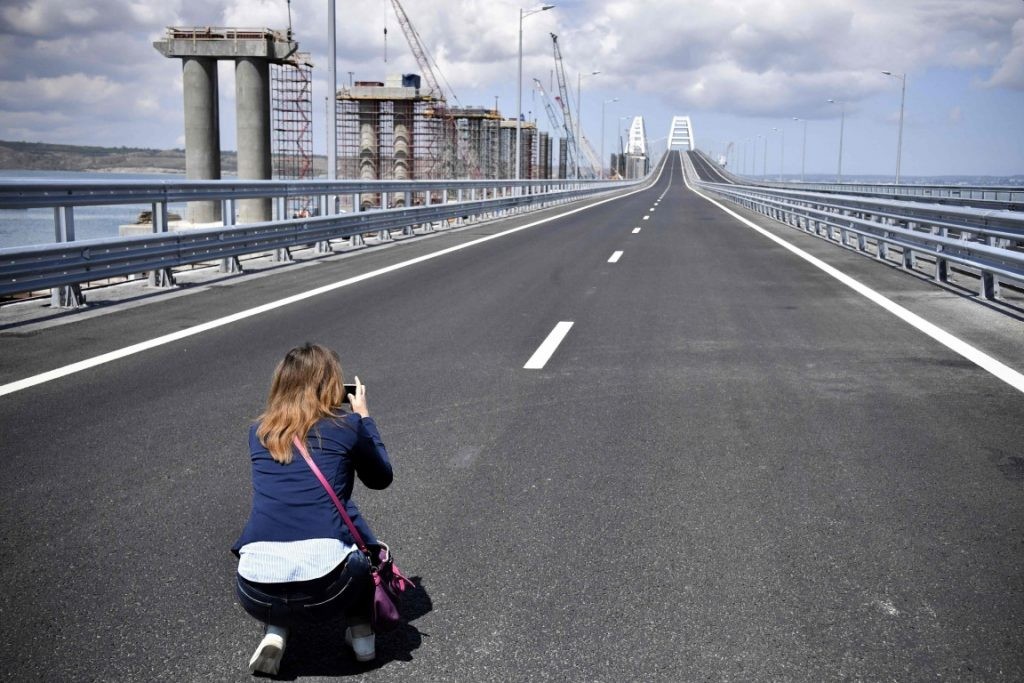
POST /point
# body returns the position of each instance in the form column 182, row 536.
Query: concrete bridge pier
column 202, row 131
column 252, row 50
column 252, row 99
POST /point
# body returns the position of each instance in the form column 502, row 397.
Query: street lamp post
column 803, row 150
column 332, row 78
column 614, row 99
column 903, row 99
column 519, row 89
column 579, row 120
column 623, row 133
column 753, row 164
column 842, row 122
column 764, row 162
column 782, row 148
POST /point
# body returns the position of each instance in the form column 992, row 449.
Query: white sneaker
column 267, row 658
column 362, row 641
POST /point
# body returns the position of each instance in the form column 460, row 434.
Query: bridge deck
column 733, row 467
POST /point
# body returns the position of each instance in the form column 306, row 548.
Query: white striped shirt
column 286, row 561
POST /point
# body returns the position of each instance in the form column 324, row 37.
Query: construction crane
column 591, row 155
column 563, row 100
column 426, row 63
column 451, row 149
column 552, row 116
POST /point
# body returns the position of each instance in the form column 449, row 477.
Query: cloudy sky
column 82, row 72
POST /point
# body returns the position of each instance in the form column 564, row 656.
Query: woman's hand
column 358, row 399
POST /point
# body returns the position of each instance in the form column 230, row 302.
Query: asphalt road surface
column 731, row 468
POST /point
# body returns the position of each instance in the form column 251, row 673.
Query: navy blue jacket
column 288, row 501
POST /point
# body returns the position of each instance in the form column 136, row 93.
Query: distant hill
column 41, row 156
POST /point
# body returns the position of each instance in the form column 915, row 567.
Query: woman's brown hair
column 307, row 386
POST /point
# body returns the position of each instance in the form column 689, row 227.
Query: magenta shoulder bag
column 388, row 581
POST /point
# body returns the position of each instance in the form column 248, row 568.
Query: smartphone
column 349, row 389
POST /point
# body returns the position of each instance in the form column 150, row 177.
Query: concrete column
column 369, row 150
column 202, row 131
column 403, row 140
column 252, row 96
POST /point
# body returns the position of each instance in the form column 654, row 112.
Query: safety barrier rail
column 1006, row 197
column 987, row 243
column 68, row 264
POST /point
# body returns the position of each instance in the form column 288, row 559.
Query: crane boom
column 418, row 51
column 552, row 117
column 563, row 100
column 588, row 151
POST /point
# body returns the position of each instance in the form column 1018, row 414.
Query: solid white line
column 101, row 359
column 636, row 230
column 971, row 353
column 615, row 257
column 540, row 357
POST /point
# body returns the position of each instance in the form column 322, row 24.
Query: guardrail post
column 323, row 246
column 941, row 268
column 385, row 234
column 229, row 264
column 909, row 259
column 161, row 277
column 65, row 296
column 989, row 285
column 282, row 255
column 883, row 246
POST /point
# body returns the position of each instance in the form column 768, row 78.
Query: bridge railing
column 67, row 264
column 1006, row 197
column 988, row 244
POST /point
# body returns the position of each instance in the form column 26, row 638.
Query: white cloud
column 1010, row 73
column 256, row 14
column 72, row 89
column 747, row 57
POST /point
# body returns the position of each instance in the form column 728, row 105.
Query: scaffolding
column 542, row 159
column 476, row 141
column 507, row 149
column 292, row 123
column 389, row 133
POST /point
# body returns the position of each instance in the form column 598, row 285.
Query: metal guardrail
column 66, row 265
column 989, row 243
column 1008, row 197
column 27, row 194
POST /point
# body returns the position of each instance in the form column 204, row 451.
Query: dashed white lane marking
column 110, row 356
column 614, row 258
column 975, row 355
column 636, row 230
column 647, row 217
column 544, row 352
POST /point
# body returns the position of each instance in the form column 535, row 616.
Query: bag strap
column 330, row 491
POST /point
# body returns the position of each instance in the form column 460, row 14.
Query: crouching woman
column 297, row 559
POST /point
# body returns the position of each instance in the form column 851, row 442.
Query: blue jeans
column 345, row 591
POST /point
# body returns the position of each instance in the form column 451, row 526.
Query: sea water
column 30, row 227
